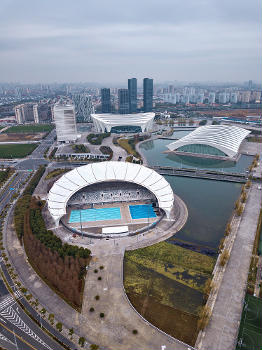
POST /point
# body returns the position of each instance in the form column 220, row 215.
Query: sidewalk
column 222, row 330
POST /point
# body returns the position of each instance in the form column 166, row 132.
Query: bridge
column 202, row 174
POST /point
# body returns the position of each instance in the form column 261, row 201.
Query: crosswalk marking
column 9, row 300
column 10, row 315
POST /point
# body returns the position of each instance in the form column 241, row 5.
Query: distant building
column 212, row 97
column 123, row 101
column 148, row 94
column 233, row 97
column 132, row 95
column 171, row 89
column 222, row 98
column 35, row 113
column 246, row 96
column 83, row 107
column 250, row 84
column 24, row 113
column 105, row 100
column 65, row 122
column 200, row 98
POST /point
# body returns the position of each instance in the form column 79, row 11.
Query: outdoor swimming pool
column 142, row 211
column 86, row 215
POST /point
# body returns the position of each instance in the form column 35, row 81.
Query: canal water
column 153, row 150
column 210, row 204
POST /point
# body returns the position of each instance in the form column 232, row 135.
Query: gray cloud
column 108, row 41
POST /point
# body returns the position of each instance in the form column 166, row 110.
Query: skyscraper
column 105, row 100
column 132, row 95
column 123, row 101
column 148, row 94
column 83, row 107
column 65, row 122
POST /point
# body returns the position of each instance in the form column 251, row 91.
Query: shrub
column 91, row 309
column 102, row 315
column 94, row 347
column 59, row 326
column 95, row 271
column 97, row 297
column 204, row 318
column 81, row 341
column 134, row 331
column 99, row 278
column 101, row 267
column 224, row 257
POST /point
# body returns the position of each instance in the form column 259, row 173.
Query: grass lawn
column 30, row 128
column 127, row 147
column 16, row 150
column 250, row 333
column 165, row 283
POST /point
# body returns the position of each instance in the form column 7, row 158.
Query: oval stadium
column 111, row 198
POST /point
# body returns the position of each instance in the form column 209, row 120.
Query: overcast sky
column 108, row 41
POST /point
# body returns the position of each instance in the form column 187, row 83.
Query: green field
column 10, row 151
column 250, row 330
column 166, row 283
column 30, row 129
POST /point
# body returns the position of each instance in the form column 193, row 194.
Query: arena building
column 218, row 141
column 123, row 122
column 109, row 198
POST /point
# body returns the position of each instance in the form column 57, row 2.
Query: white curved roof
column 106, row 121
column 226, row 138
column 83, row 176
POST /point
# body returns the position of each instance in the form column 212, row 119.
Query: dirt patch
column 21, row 137
column 179, row 324
column 232, row 112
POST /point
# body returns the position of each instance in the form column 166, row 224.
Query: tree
column 224, row 257
column 203, row 122
column 59, row 326
column 71, row 331
column 94, row 347
column 51, row 318
column 81, row 341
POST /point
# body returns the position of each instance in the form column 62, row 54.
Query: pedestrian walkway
column 222, row 330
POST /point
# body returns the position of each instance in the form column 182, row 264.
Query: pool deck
column 126, row 218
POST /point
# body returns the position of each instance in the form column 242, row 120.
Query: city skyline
column 194, row 41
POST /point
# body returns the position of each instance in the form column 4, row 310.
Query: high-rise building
column 35, row 113
column 18, row 114
column 123, row 101
column 222, row 97
column 105, row 100
column 212, row 97
column 132, row 95
column 83, row 107
column 65, row 122
column 250, row 84
column 148, row 94
column 233, row 97
column 24, row 113
column 171, row 89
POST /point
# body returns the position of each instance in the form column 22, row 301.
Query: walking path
column 221, row 332
column 114, row 331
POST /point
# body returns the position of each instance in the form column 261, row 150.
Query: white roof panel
column 79, row 178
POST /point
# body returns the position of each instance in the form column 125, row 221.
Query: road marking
column 20, row 338
column 2, row 337
column 10, row 315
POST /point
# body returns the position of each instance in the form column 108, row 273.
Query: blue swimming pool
column 95, row 214
column 142, row 211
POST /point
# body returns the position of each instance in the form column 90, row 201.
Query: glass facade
column 201, row 149
column 126, row 128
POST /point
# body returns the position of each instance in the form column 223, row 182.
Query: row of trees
column 4, row 175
